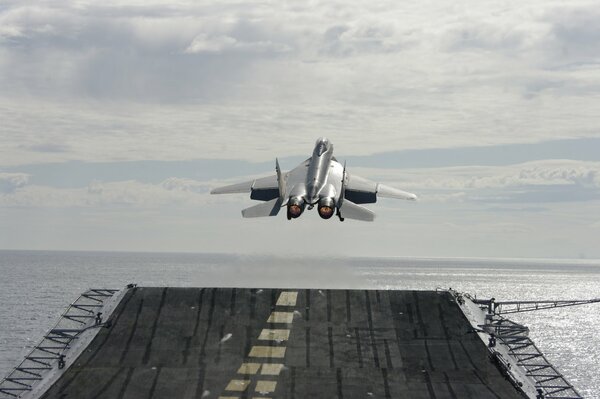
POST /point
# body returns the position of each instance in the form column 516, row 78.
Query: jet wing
column 264, row 189
column 363, row 191
column 391, row 192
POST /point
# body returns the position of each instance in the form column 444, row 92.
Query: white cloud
column 9, row 182
column 8, row 32
column 575, row 34
column 536, row 173
column 171, row 192
column 148, row 80
column 218, row 44
column 447, row 185
column 185, row 185
column 203, row 43
column 106, row 81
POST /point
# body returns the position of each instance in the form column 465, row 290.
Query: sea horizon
column 294, row 255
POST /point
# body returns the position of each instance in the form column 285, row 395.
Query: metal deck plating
column 270, row 343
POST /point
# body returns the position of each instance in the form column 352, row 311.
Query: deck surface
column 250, row 343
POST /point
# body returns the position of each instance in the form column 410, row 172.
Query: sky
column 118, row 117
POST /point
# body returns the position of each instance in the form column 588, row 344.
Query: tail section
column 269, row 208
column 342, row 192
column 280, row 181
column 350, row 210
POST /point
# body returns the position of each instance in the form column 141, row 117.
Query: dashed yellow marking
column 267, row 351
column 237, row 385
column 271, row 368
column 265, row 386
column 249, row 368
column 287, row 298
column 268, row 334
column 281, row 317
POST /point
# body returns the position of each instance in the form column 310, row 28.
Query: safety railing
column 81, row 315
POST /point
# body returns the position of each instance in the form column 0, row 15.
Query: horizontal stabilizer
column 390, row 192
column 349, row 210
column 269, row 208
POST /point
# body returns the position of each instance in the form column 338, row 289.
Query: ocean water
column 36, row 286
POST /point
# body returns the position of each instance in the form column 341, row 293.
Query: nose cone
column 322, row 145
column 322, row 140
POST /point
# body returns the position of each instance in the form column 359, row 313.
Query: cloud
column 363, row 37
column 218, row 44
column 537, row 173
column 531, row 182
column 484, row 36
column 171, row 192
column 93, row 87
column 9, row 182
column 527, row 183
column 47, row 147
column 575, row 34
column 184, row 185
column 107, row 80
column 202, row 43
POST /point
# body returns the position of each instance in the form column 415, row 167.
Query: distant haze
column 118, row 117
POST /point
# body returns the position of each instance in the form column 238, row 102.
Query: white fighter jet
column 319, row 181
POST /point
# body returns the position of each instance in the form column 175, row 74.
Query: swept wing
column 263, row 189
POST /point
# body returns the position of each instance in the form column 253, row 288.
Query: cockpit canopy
column 321, row 146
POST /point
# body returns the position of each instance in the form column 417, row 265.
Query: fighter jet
column 319, row 181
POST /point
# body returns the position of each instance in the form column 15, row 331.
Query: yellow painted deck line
column 267, row 351
column 249, row 368
column 237, row 385
column 278, row 335
column 271, row 369
column 287, row 298
column 265, row 386
column 281, row 317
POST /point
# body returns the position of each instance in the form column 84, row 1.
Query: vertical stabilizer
column 280, row 181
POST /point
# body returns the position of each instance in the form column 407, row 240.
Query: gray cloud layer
column 9, row 182
column 105, row 82
column 117, row 118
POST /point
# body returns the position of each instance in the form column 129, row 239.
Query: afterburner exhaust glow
column 295, row 207
column 326, row 207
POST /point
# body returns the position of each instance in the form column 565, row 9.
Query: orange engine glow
column 325, row 212
column 295, row 210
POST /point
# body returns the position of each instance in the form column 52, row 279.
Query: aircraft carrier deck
column 226, row 343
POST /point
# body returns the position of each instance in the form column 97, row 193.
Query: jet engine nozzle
column 295, row 207
column 326, row 207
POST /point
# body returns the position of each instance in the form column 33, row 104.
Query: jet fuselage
column 318, row 170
